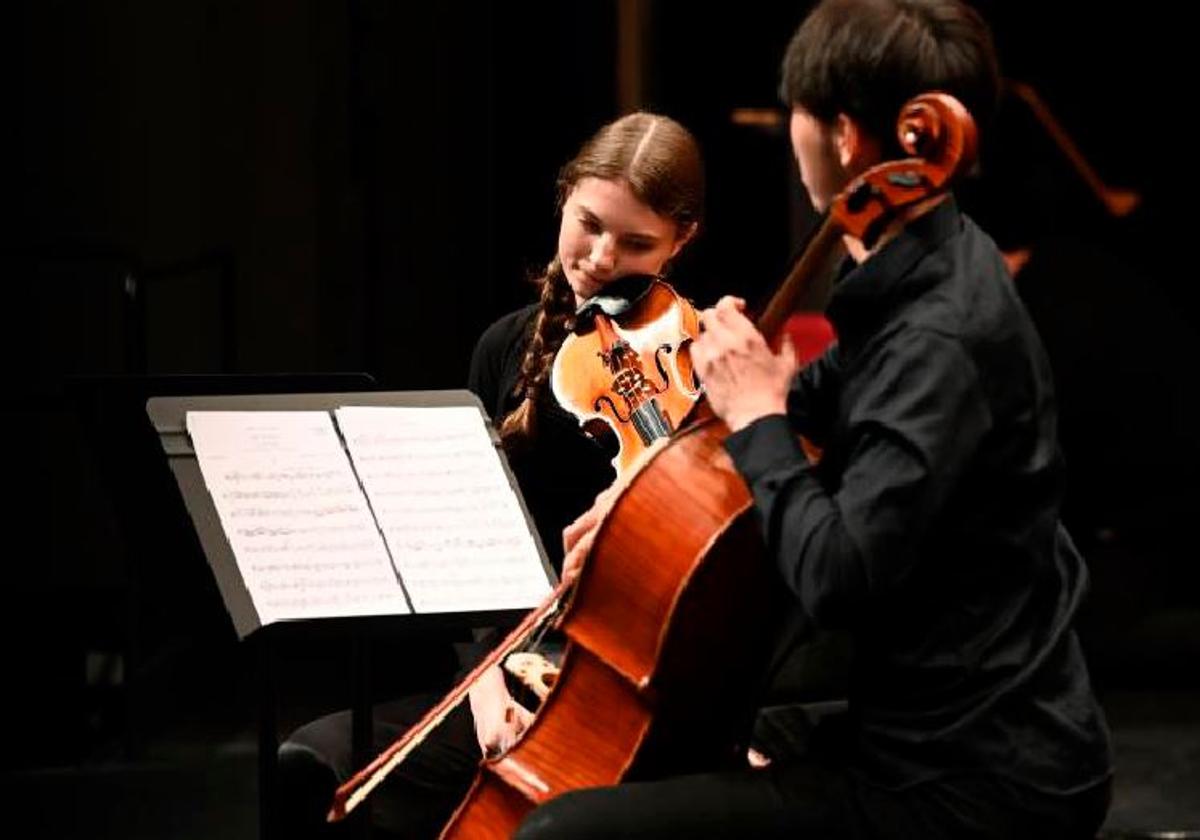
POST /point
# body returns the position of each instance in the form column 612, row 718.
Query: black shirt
column 930, row 526
column 562, row 470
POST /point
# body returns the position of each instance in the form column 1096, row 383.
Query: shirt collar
column 884, row 277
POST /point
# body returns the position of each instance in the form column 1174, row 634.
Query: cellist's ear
column 683, row 238
column 856, row 149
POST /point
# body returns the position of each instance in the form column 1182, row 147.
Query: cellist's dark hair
column 866, row 58
column 660, row 161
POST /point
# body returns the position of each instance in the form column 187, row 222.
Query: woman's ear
column 686, row 235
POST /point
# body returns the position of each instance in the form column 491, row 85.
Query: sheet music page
column 294, row 513
column 456, row 531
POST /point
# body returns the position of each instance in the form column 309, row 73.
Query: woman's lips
column 591, row 282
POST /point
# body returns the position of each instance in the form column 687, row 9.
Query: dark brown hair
column 866, row 58
column 660, row 160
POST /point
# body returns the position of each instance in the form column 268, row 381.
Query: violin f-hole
column 604, row 398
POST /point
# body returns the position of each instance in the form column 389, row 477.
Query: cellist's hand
column 743, row 378
column 756, row 759
column 499, row 719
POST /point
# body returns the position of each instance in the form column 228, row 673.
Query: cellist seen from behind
column 929, row 529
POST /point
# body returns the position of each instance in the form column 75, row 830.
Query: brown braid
column 554, row 321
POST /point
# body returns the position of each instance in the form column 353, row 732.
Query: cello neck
column 802, row 287
column 939, row 134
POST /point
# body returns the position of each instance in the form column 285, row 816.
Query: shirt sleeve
column 911, row 430
column 486, row 376
column 812, row 396
column 481, row 375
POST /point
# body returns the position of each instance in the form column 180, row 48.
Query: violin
column 627, row 364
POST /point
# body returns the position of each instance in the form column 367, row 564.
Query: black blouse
column 562, row 470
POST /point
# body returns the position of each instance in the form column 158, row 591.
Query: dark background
column 269, row 187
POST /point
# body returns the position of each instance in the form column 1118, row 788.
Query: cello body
column 667, row 635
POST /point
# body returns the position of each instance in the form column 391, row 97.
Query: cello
column 645, row 639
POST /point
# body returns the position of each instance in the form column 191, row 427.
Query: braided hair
column 554, row 321
column 660, row 161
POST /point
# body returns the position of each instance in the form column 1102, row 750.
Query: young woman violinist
column 630, row 200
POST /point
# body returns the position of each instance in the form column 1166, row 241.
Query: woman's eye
column 589, row 224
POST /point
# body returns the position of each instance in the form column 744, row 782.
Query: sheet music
column 301, row 531
column 450, row 517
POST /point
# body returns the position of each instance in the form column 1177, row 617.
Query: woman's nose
column 603, row 251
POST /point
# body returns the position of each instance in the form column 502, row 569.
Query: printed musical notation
column 421, row 506
column 300, row 529
column 453, row 524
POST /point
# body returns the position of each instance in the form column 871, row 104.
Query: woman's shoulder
column 507, row 330
column 496, row 361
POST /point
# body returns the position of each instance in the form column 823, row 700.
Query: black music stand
column 165, row 606
column 168, row 415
